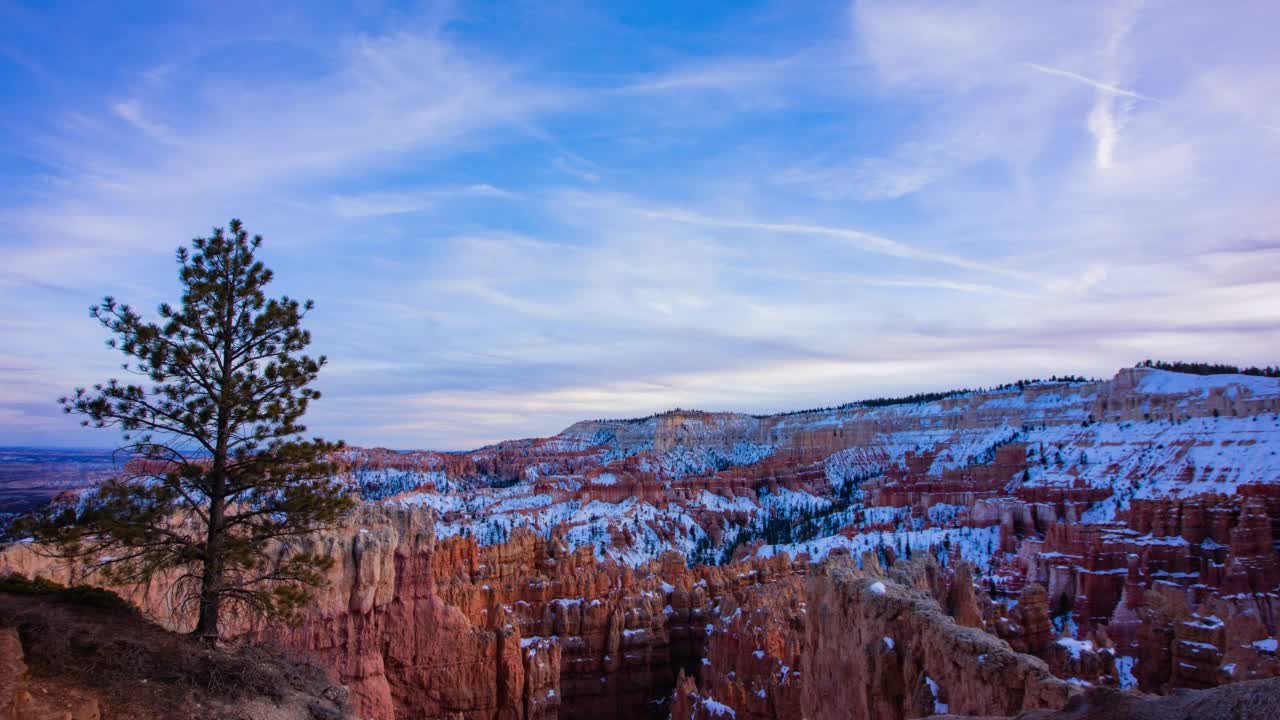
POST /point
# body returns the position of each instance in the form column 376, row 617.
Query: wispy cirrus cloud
column 865, row 241
column 1111, row 110
column 818, row 204
column 374, row 204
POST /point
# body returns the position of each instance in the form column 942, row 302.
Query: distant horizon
column 108, row 448
column 749, row 206
column 658, row 413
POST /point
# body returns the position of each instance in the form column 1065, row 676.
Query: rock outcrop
column 846, row 642
column 875, row 648
column 1256, row 700
column 62, row 658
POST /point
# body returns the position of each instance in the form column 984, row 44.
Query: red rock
column 851, row 671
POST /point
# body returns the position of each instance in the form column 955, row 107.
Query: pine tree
column 222, row 483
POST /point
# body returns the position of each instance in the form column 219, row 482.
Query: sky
column 515, row 215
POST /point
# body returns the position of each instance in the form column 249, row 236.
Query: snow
column 1268, row 645
column 1161, row 540
column 720, row 503
column 1124, row 672
column 1199, row 647
column 883, row 515
column 691, row 459
column 520, row 503
column 593, row 524
column 1166, row 382
column 436, row 501
column 888, row 642
column 1148, row 459
column 877, row 587
column 1065, row 623
column 943, row 513
column 385, row 482
column 975, row 544
column 714, row 707
column 939, row 708
column 1075, row 647
column 532, row 640
column 1153, row 458
column 788, row 501
column 851, row 466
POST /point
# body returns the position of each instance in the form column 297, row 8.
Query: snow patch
column 939, row 707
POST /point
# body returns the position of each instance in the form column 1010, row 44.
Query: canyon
column 978, row 553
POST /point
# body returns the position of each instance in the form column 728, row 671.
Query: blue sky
column 515, row 215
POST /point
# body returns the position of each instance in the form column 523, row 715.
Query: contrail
column 1122, row 92
column 865, row 241
column 1093, row 83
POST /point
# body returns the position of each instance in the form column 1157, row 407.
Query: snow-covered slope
column 710, row 485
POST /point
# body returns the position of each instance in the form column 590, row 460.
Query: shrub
column 84, row 595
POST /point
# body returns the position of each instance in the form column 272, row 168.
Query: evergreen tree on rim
column 221, row 484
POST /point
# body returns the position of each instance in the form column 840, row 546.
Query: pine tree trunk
column 207, row 626
column 211, row 579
